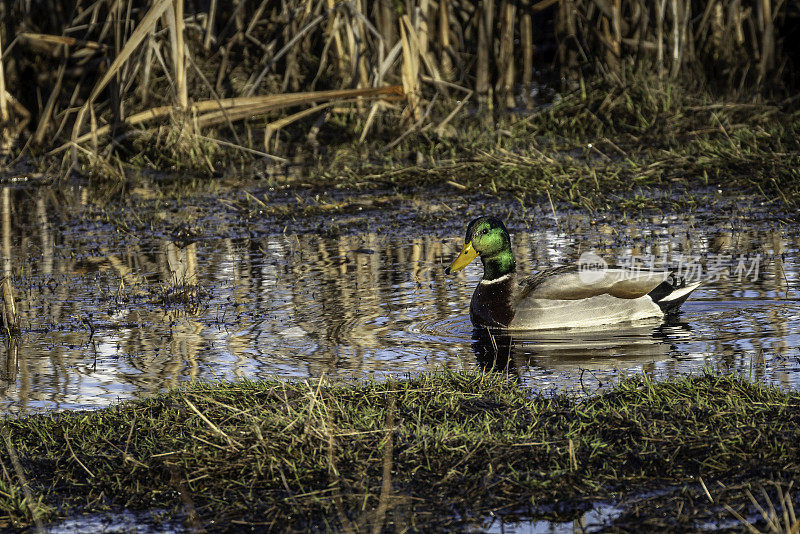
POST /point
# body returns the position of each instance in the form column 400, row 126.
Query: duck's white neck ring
column 496, row 280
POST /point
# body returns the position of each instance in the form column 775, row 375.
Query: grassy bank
column 638, row 144
column 443, row 450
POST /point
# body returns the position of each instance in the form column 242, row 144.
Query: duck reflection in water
column 622, row 347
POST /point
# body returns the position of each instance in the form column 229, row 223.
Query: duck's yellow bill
column 467, row 255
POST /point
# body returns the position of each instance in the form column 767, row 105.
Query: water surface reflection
column 109, row 315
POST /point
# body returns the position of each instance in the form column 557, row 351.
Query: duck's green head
column 488, row 238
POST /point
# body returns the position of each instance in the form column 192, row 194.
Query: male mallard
column 562, row 297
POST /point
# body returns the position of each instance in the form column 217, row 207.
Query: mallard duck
column 561, row 297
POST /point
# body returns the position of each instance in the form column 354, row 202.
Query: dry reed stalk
column 616, row 30
column 44, row 121
column 254, row 21
column 485, row 39
column 361, row 34
column 526, row 40
column 10, row 315
column 543, row 4
column 717, row 26
column 566, row 29
column 767, row 28
column 234, row 109
column 179, row 53
column 385, row 18
column 505, row 85
column 426, row 59
column 323, row 57
column 352, row 50
column 608, row 40
column 93, row 130
column 209, row 23
column 662, row 4
column 390, row 59
column 3, row 102
column 147, row 67
column 271, row 128
column 148, row 22
column 676, row 38
column 57, row 45
column 379, row 43
column 444, row 40
column 333, row 29
column 410, row 73
column 421, row 14
column 290, row 69
column 21, row 111
column 286, row 48
column 687, row 39
column 373, row 112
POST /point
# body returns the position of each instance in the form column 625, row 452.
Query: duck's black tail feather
column 670, row 294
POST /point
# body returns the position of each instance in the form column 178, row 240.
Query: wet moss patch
column 441, row 450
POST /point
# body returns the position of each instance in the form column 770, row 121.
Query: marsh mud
column 125, row 291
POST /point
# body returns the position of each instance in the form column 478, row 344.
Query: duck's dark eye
column 485, row 231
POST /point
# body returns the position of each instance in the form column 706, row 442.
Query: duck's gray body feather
column 566, row 297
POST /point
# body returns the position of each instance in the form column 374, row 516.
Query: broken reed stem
column 217, row 112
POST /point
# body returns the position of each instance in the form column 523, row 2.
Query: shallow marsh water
column 110, row 314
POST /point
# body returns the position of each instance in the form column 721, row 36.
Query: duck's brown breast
column 491, row 303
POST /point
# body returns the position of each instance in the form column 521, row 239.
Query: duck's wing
column 572, row 283
column 566, row 297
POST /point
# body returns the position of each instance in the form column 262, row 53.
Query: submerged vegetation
column 443, row 450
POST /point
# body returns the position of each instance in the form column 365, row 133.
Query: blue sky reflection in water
column 104, row 320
